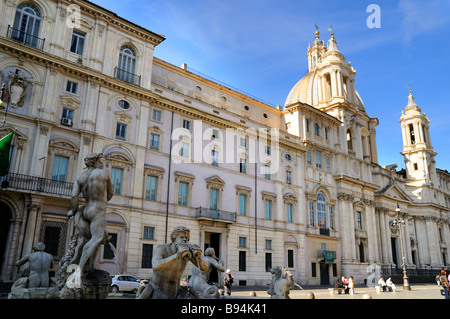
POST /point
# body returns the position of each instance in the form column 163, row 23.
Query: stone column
column 407, row 236
column 371, row 231
column 384, row 234
column 33, row 208
column 347, row 229
column 433, row 241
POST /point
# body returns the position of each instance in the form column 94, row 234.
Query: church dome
column 322, row 62
column 304, row 91
column 307, row 91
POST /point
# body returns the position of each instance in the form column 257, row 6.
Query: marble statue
column 199, row 279
column 282, row 283
column 90, row 219
column 90, row 232
column 35, row 285
column 169, row 262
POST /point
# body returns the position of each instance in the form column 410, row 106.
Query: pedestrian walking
column 228, row 282
column 444, row 283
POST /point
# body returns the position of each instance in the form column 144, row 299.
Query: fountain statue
column 169, row 261
column 85, row 282
column 282, row 283
column 36, row 283
column 199, row 280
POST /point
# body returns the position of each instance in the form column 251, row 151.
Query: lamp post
column 397, row 224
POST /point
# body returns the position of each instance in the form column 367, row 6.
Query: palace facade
column 297, row 185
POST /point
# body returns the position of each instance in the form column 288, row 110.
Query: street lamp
column 397, row 224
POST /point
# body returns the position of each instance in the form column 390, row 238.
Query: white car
column 125, row 283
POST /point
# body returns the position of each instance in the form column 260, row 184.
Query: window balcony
column 36, row 184
column 25, row 38
column 215, row 214
column 127, row 76
column 324, row 231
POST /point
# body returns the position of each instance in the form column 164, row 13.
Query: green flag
column 5, row 145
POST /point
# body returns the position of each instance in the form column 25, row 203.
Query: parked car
column 125, row 283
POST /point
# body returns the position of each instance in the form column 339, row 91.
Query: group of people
column 386, row 285
column 347, row 284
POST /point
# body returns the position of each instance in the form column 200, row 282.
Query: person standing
column 345, row 281
column 444, row 283
column 351, row 285
column 228, row 282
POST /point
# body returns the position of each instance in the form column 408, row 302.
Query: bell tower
column 417, row 149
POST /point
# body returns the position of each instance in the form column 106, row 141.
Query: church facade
column 297, row 185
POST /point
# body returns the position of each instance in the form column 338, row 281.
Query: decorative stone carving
column 199, row 280
column 282, row 283
column 345, row 197
column 17, row 88
column 169, row 262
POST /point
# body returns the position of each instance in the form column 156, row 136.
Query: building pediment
column 392, row 190
column 215, row 182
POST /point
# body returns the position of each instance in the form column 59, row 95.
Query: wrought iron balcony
column 25, row 38
column 36, row 184
column 127, row 76
column 324, row 231
column 215, row 214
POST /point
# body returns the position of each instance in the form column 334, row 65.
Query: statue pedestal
column 94, row 285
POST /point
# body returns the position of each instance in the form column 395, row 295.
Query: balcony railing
column 216, row 214
column 127, row 76
column 324, row 231
column 36, row 184
column 25, row 38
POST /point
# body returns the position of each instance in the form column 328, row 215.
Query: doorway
column 213, row 240
column 5, row 221
column 324, row 274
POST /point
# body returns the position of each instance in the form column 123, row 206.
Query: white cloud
column 422, row 16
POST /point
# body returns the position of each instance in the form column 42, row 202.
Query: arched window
column 349, row 140
column 26, row 24
column 321, row 211
column 127, row 64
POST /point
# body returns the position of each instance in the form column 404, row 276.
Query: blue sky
column 259, row 47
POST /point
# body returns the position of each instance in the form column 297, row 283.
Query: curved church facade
column 297, row 185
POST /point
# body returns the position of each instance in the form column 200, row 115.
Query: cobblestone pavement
column 418, row 291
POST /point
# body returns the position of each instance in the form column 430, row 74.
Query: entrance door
column 324, row 274
column 5, row 217
column 213, row 240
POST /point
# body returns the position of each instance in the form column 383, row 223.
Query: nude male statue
column 169, row 261
column 90, row 219
column 40, row 263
